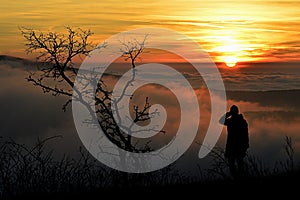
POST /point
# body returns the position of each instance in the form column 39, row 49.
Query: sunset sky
column 246, row 30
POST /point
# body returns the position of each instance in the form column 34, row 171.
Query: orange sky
column 248, row 30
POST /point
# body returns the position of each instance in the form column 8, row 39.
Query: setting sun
column 230, row 61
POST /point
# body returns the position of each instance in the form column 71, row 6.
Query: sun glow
column 230, row 61
column 228, row 48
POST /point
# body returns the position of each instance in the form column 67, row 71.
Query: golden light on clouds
column 248, row 30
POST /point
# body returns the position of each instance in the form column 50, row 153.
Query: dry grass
column 33, row 170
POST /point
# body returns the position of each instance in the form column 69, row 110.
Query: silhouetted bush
column 26, row 171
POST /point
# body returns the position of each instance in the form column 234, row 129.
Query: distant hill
column 288, row 98
column 16, row 62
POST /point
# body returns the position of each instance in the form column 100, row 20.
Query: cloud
column 268, row 124
column 247, row 77
column 27, row 113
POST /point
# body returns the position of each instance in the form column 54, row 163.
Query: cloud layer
column 27, row 113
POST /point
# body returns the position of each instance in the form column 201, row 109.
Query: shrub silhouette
column 34, row 170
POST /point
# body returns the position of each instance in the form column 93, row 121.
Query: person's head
column 234, row 110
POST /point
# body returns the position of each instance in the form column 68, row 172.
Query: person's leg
column 232, row 167
column 240, row 163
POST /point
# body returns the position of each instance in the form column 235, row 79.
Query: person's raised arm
column 223, row 119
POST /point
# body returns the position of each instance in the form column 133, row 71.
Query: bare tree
column 56, row 75
column 55, row 58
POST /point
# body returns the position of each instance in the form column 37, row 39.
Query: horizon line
column 3, row 56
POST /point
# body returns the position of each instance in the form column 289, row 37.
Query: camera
column 228, row 114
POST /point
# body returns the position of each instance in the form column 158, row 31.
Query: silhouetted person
column 237, row 140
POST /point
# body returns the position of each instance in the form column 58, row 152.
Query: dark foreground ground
column 280, row 186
